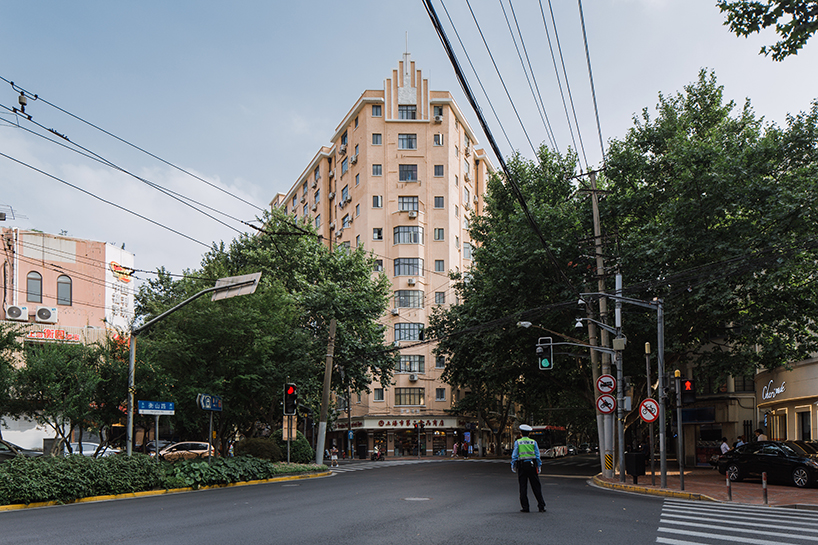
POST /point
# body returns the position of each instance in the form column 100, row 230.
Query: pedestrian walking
column 525, row 461
column 334, row 456
column 760, row 435
column 724, row 446
column 454, row 450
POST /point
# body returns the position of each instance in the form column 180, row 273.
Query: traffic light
column 688, row 391
column 290, row 399
column 545, row 354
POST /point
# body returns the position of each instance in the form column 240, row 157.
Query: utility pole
column 322, row 423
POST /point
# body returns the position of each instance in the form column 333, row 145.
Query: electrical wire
column 591, row 79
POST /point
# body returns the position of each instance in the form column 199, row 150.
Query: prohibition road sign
column 606, row 404
column 649, row 410
column 606, row 384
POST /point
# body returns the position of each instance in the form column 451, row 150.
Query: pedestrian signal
column 688, row 391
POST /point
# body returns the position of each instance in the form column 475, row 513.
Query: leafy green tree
column 717, row 214
column 9, row 355
column 795, row 21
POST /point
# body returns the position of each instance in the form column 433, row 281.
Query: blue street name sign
column 157, row 407
column 209, row 402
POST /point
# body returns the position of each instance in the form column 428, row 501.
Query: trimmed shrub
column 300, row 450
column 259, row 447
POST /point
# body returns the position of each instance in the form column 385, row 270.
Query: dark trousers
column 527, row 473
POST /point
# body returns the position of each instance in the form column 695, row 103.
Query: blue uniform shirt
column 515, row 454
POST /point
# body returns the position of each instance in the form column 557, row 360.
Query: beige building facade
column 400, row 177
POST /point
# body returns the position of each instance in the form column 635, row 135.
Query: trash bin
column 635, row 465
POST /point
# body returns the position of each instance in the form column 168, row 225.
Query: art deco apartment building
column 400, row 177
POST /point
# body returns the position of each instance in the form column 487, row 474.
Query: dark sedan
column 10, row 450
column 783, row 461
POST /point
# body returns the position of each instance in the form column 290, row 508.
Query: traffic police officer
column 525, row 461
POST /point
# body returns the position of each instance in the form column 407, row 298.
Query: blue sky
column 244, row 93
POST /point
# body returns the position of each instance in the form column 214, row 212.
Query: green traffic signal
column 545, row 354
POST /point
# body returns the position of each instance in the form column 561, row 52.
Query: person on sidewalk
column 760, row 435
column 724, row 446
column 525, row 461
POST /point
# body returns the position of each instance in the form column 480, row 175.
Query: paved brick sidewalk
column 709, row 484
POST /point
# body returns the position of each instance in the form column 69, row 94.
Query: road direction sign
column 649, row 410
column 606, row 404
column 606, row 384
column 209, row 402
column 160, row 408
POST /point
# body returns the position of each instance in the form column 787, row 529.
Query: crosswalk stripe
column 740, row 530
column 724, row 537
column 768, row 525
column 668, row 541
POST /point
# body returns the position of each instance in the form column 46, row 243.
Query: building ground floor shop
column 402, row 436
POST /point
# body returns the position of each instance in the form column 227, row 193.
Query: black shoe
column 542, row 509
column 523, row 510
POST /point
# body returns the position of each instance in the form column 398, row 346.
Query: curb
column 652, row 491
column 284, row 478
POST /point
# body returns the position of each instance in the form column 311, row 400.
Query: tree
column 800, row 21
column 9, row 354
column 717, row 215
column 246, row 348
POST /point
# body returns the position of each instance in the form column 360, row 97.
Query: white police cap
column 525, row 427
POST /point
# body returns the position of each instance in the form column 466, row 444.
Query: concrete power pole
column 322, row 424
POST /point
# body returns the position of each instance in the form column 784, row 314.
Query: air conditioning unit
column 303, row 199
column 314, row 207
column 338, row 233
column 395, row 312
column 397, row 344
column 438, row 119
column 47, row 315
column 343, row 149
column 467, row 151
column 314, row 184
column 413, row 213
column 467, row 177
column 413, row 377
column 331, row 195
column 353, row 159
column 475, row 199
column 350, row 220
column 411, row 281
column 17, row 313
column 331, row 173
column 331, row 225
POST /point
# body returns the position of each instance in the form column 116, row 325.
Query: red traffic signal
column 290, row 399
column 688, row 391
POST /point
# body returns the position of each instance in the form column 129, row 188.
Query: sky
column 242, row 95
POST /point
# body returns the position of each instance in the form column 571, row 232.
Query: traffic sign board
column 606, row 404
column 606, row 384
column 209, row 402
column 649, row 410
column 156, row 407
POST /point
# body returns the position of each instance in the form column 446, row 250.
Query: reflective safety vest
column 525, row 448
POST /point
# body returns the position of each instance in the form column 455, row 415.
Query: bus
column 551, row 440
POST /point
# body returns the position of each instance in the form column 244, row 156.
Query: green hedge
column 260, row 447
column 65, row 479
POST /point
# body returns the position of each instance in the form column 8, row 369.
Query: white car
column 88, row 449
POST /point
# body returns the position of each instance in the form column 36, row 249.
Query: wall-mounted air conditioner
column 353, row 159
column 467, row 177
column 343, row 149
column 397, row 344
column 331, row 225
column 47, row 315
column 467, row 151
column 475, row 199
column 413, row 377
column 338, row 233
column 331, row 173
column 17, row 313
column 314, row 184
column 413, row 213
column 395, row 312
column 350, row 220
column 411, row 281
column 438, row 119
column 314, row 207
column 332, row 195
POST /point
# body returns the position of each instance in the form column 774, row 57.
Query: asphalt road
column 427, row 502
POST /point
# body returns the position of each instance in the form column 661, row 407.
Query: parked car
column 185, row 450
column 89, row 449
column 584, row 448
column 783, row 461
column 10, row 450
column 572, row 450
column 148, row 447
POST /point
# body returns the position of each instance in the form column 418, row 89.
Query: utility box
column 635, row 465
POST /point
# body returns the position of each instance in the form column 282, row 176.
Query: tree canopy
column 795, row 21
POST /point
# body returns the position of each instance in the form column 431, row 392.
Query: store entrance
column 406, row 443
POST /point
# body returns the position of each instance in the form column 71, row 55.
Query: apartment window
column 356, row 121
column 345, row 222
column 438, row 171
column 456, row 211
column 409, row 298
column 64, row 290
column 305, row 210
column 409, row 396
column 377, row 201
column 377, row 233
column 295, row 202
column 376, row 110
column 316, row 174
column 440, row 362
column 377, row 139
column 438, row 139
column 466, row 250
column 317, row 196
column 466, row 222
column 407, row 203
column 407, row 141
column 408, row 266
column 440, row 298
column 407, row 112
column 345, row 193
column 345, row 245
column 378, row 267
column 356, row 147
column 344, row 139
column 440, row 394
column 455, row 180
column 344, row 165
column 357, row 241
column 34, row 287
column 357, row 210
column 377, row 394
column 440, row 266
column 408, row 332
column 466, row 140
column 318, row 221
column 304, row 189
column 439, row 233
column 377, row 170
column 408, row 173
column 408, row 234
column 439, row 202
column 357, row 179
column 466, row 166
column 457, row 242
column 411, row 364
column 466, row 195
column 438, row 110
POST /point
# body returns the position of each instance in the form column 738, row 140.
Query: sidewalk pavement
column 705, row 483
